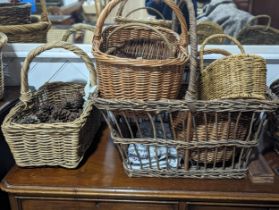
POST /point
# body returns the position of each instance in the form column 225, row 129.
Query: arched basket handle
column 44, row 15
column 25, row 92
column 3, row 40
column 267, row 17
column 112, row 4
column 146, row 8
column 214, row 51
column 75, row 28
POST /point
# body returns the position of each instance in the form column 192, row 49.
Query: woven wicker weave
column 236, row 76
column 51, row 144
column 207, row 28
column 79, row 27
column 259, row 34
column 134, row 63
column 3, row 41
column 12, row 14
column 119, row 19
column 26, row 33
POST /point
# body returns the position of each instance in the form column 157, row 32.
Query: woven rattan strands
column 12, row 14
column 3, row 41
column 143, row 78
column 51, row 144
column 28, row 33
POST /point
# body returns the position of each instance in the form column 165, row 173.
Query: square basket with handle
column 61, row 143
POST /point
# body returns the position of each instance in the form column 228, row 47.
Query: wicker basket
column 232, row 77
column 79, row 27
column 259, row 34
column 207, row 28
column 51, row 144
column 149, row 144
column 3, row 41
column 138, row 61
column 119, row 19
column 12, row 14
column 28, row 33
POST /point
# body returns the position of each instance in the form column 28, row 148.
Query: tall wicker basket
column 138, row 61
column 120, row 19
column 51, row 144
column 30, row 32
column 3, row 41
column 259, row 34
column 215, row 139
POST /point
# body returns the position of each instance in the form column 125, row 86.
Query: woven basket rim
column 151, row 21
column 103, row 57
column 25, row 28
column 18, row 5
column 228, row 58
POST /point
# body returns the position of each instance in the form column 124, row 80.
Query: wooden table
column 101, row 183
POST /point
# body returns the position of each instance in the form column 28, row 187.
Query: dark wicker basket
column 259, row 34
column 14, row 14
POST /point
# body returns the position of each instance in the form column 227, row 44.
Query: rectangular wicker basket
column 51, row 144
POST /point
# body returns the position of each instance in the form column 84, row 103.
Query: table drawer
column 93, row 205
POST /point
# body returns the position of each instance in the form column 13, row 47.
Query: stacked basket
column 25, row 29
column 163, row 137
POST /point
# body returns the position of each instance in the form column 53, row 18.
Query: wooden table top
column 101, row 175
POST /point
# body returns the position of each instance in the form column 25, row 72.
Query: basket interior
column 54, row 94
column 139, row 43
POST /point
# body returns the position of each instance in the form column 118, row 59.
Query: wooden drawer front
column 88, row 205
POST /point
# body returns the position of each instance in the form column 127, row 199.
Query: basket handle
column 146, row 8
column 106, row 11
column 3, row 40
column 161, row 35
column 191, row 93
column 267, row 17
column 75, row 28
column 237, row 43
column 26, row 94
column 44, row 15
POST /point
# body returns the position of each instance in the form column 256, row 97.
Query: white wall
column 67, row 67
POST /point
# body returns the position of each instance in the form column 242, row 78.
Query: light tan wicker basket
column 3, row 41
column 51, row 144
column 232, row 77
column 134, row 63
column 26, row 33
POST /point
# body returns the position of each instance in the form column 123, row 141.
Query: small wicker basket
column 51, row 144
column 3, row 41
column 207, row 28
column 138, row 61
column 36, row 31
column 233, row 77
column 259, row 34
column 13, row 14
